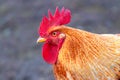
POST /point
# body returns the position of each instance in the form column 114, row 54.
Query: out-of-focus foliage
column 20, row 56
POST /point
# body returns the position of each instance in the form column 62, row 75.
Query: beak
column 40, row 39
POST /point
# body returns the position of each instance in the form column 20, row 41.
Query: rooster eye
column 54, row 34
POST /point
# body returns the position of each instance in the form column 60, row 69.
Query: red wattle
column 50, row 53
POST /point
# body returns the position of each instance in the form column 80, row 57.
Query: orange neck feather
column 85, row 51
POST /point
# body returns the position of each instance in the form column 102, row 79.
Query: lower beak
column 40, row 39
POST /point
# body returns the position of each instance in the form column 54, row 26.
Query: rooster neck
column 82, row 44
column 86, row 54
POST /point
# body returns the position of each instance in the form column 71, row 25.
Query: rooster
column 77, row 54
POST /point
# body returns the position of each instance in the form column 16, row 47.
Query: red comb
column 59, row 18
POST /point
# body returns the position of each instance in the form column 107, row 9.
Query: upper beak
column 40, row 39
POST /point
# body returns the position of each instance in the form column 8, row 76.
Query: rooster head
column 53, row 38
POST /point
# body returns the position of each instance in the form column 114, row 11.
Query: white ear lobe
column 61, row 35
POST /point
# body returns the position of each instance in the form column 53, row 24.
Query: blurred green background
column 20, row 56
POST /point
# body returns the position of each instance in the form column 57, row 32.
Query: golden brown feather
column 87, row 56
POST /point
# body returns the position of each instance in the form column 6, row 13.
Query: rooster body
column 88, row 56
column 80, row 55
